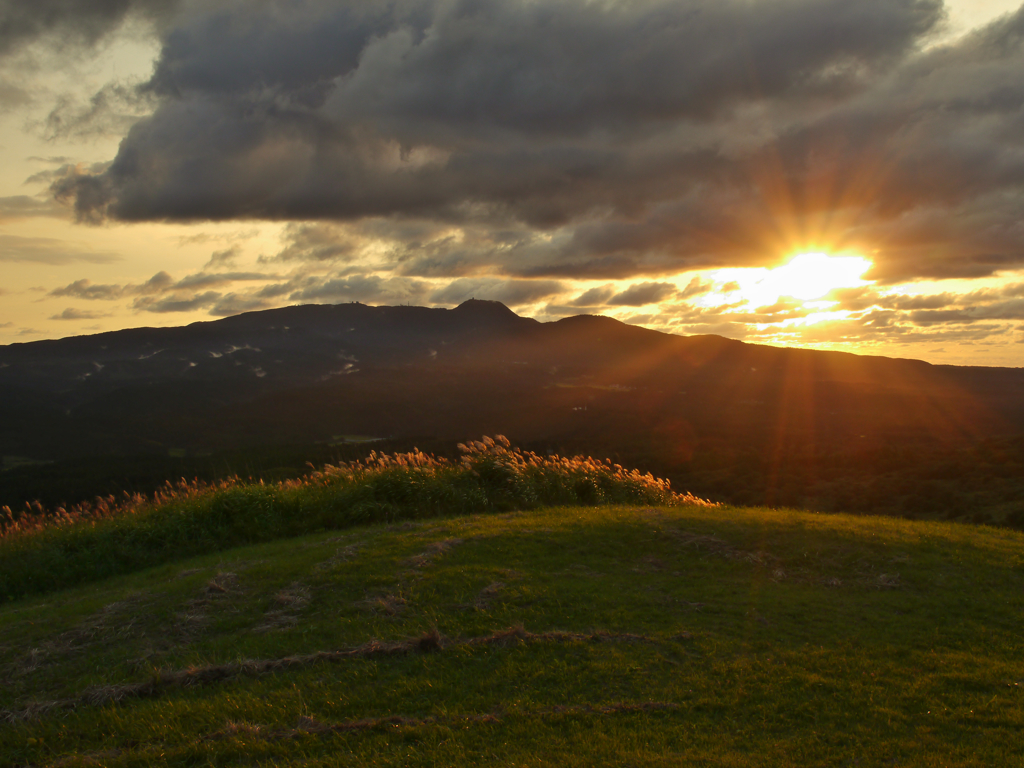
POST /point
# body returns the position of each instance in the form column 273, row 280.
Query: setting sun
column 809, row 276
column 805, row 277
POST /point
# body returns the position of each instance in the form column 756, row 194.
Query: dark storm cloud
column 585, row 140
column 111, row 111
column 65, row 22
column 430, row 107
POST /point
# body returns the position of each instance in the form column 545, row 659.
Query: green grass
column 43, row 550
column 643, row 636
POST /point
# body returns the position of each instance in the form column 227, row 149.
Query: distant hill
column 319, row 372
column 262, row 393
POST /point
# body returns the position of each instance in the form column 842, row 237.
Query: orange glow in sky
column 809, row 276
column 806, row 277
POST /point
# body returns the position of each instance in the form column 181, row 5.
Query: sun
column 806, row 277
column 809, row 276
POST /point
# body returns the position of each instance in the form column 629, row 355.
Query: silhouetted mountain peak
column 484, row 312
column 312, row 372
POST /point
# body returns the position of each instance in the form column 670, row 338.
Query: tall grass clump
column 43, row 550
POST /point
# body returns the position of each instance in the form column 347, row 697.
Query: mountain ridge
column 308, row 373
column 494, row 312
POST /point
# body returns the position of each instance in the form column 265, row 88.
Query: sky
column 818, row 173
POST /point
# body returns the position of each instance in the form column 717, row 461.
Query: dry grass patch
column 487, row 596
column 311, row 726
column 387, row 604
column 213, row 595
column 99, row 758
column 111, row 624
column 285, row 608
column 432, row 552
column 429, row 642
column 342, row 555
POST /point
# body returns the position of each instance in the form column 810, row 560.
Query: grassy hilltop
column 645, row 632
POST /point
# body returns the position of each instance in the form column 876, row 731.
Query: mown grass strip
column 311, row 726
column 308, row 727
column 429, row 642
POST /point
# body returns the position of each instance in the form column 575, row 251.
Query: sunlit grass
column 41, row 550
column 559, row 636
